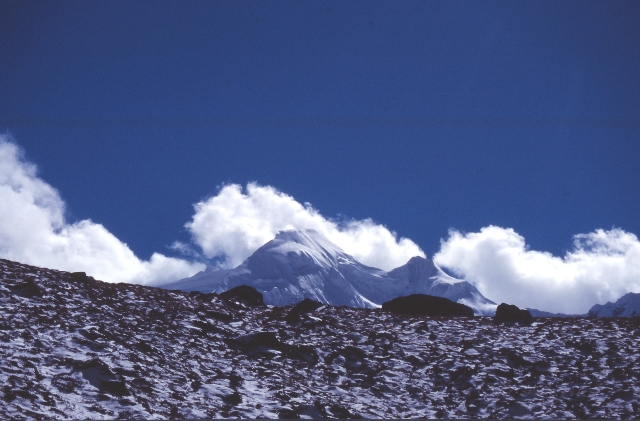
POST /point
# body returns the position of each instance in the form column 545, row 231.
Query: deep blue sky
column 420, row 115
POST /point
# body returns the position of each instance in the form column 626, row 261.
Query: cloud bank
column 33, row 230
column 602, row 266
column 235, row 223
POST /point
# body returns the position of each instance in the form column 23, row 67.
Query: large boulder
column 426, row 305
column 244, row 296
column 508, row 313
column 303, row 307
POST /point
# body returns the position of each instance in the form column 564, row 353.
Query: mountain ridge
column 300, row 264
column 626, row 306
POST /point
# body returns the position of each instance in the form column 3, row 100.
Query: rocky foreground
column 72, row 347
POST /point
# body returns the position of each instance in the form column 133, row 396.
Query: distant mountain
column 627, row 306
column 300, row 264
column 539, row 313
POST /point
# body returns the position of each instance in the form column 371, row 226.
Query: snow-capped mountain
column 627, row 306
column 300, row 264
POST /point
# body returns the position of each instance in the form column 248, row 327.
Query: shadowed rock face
column 507, row 313
column 426, row 305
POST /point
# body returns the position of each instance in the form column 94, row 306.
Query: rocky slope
column 75, row 348
column 300, row 264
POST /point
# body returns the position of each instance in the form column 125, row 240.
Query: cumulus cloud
column 234, row 223
column 33, row 230
column 602, row 266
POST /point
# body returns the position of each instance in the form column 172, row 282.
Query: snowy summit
column 300, row 264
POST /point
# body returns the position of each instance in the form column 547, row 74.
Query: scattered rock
column 507, row 313
column 427, row 305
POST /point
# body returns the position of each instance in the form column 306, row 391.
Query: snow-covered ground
column 300, row 264
column 75, row 348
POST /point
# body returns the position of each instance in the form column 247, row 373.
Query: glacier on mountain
column 300, row 264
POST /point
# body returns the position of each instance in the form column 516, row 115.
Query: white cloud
column 234, row 224
column 33, row 230
column 602, row 266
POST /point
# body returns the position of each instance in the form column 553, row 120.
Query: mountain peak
column 297, row 235
column 300, row 264
column 307, row 238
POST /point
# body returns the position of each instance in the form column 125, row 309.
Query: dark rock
column 243, row 295
column 99, row 375
column 354, row 358
column 340, row 412
column 218, row 315
column 507, row 313
column 312, row 411
column 585, row 345
column 145, row 347
column 114, row 387
column 303, row 307
column 258, row 339
column 29, row 288
column 426, row 305
column 303, row 352
column 207, row 327
column 201, row 296
column 235, row 380
column 91, row 333
column 514, row 359
column 306, row 306
column 233, row 399
column 288, row 414
column 81, row 277
column 65, row 383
